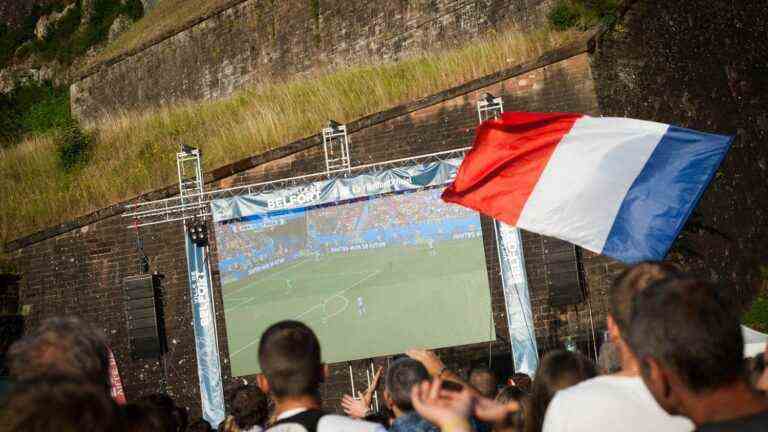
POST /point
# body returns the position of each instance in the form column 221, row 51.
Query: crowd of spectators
column 391, row 211
column 675, row 363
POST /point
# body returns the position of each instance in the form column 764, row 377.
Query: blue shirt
column 412, row 422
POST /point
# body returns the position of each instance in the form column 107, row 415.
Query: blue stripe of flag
column 665, row 193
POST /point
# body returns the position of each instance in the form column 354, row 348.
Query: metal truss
column 336, row 147
column 194, row 202
column 489, row 107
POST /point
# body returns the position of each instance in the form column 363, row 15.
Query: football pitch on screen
column 366, row 303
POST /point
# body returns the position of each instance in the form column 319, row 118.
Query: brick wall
column 256, row 39
column 697, row 64
column 80, row 271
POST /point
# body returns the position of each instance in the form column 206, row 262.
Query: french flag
column 616, row 186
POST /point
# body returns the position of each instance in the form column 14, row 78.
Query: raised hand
column 446, row 409
column 428, row 358
column 367, row 396
column 490, row 411
column 355, row 408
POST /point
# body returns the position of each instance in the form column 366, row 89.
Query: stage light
column 188, row 150
column 489, row 107
column 334, row 125
column 198, row 233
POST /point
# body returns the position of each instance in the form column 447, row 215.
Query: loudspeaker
column 562, row 271
column 143, row 313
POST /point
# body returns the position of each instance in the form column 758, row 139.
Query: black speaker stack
column 144, row 315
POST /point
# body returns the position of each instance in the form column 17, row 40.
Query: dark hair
column 140, row 417
column 248, row 405
column 289, row 355
column 558, row 370
column 484, row 380
column 512, row 393
column 402, row 375
column 523, row 381
column 199, row 425
column 175, row 417
column 59, row 404
column 62, row 347
column 689, row 326
column 630, row 282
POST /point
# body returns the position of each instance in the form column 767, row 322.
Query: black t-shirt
column 753, row 423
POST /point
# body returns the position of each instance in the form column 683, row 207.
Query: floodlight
column 334, row 125
column 198, row 233
column 188, row 150
column 489, row 107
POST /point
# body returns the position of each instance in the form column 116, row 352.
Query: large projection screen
column 372, row 277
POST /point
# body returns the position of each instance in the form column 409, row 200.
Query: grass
column 32, row 108
column 134, row 152
column 166, row 16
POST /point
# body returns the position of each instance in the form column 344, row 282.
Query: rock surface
column 119, row 25
column 47, row 23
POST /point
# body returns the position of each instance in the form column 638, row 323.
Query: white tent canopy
column 754, row 341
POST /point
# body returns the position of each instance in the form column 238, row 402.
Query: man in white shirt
column 618, row 402
column 289, row 356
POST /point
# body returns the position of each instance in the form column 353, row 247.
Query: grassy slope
column 166, row 16
column 134, row 152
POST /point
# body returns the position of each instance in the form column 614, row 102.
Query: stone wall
column 698, row 64
column 78, row 268
column 256, row 39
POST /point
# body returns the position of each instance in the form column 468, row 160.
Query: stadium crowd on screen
column 674, row 362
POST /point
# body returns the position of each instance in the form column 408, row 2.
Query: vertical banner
column 116, row 384
column 204, row 323
column 517, row 299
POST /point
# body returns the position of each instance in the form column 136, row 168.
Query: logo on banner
column 373, row 187
column 302, row 197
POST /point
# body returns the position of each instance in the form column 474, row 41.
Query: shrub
column 32, row 108
column 68, row 40
column 757, row 315
column 563, row 16
column 582, row 14
column 72, row 146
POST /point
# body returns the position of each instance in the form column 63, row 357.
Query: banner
column 336, row 190
column 116, row 384
column 204, row 324
column 517, row 299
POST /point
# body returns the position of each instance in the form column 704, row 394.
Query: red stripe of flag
column 500, row 171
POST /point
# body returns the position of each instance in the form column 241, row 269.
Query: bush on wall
column 757, row 315
column 70, row 38
column 582, row 14
column 32, row 108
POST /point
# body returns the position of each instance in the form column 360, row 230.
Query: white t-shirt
column 610, row 403
column 327, row 423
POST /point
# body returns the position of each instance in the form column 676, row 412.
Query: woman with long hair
column 558, row 370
